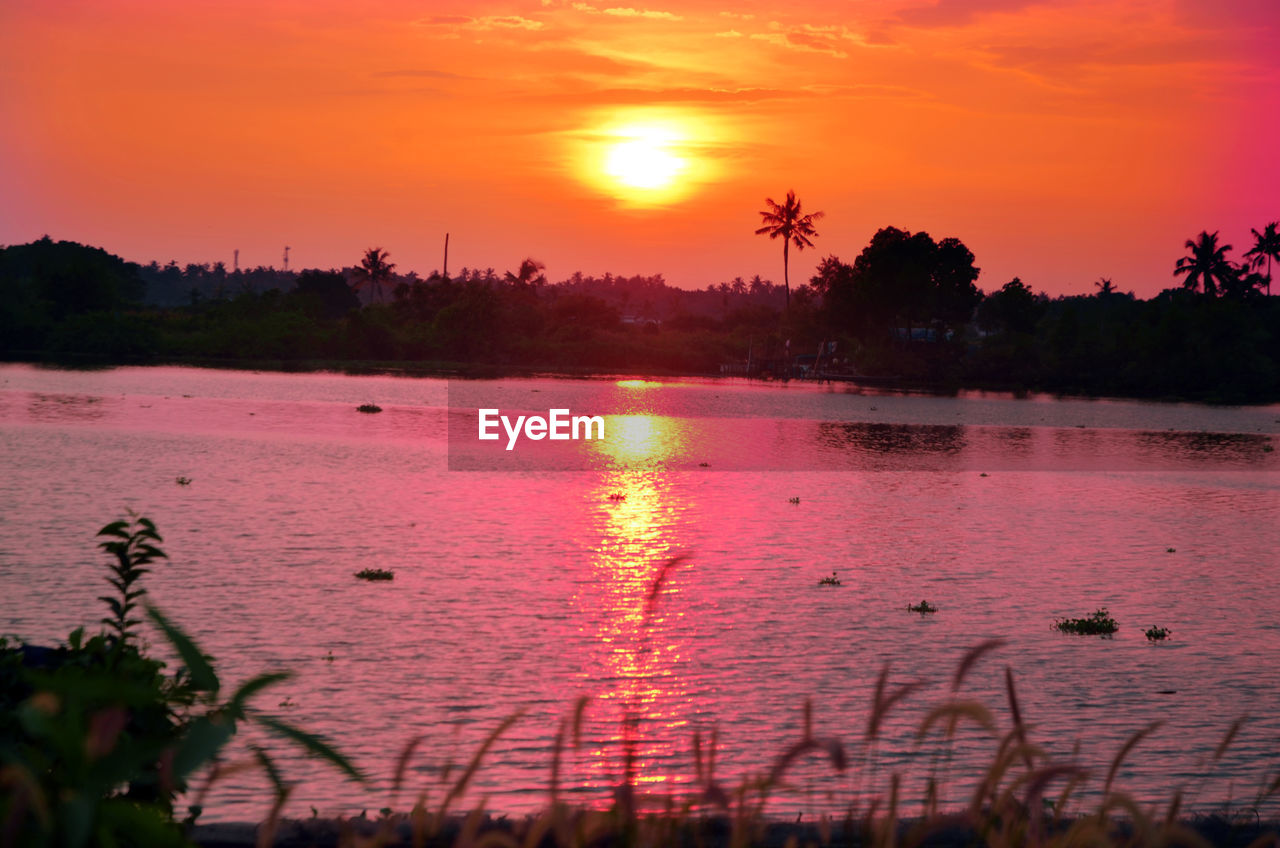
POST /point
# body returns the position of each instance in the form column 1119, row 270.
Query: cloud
column 623, row 12
column 646, row 96
column 830, row 40
column 729, row 33
column 506, row 22
column 627, row 12
column 482, row 24
column 430, row 73
column 950, row 13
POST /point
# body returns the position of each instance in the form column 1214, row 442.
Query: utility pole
column 286, row 257
column 446, row 256
column 235, row 262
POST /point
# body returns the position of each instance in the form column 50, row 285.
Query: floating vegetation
column 617, row 496
column 793, row 500
column 376, row 574
column 1099, row 624
column 704, row 465
column 368, row 407
column 1268, row 448
column 830, row 581
column 1157, row 634
column 984, row 474
column 1171, row 550
column 183, row 481
column 924, row 608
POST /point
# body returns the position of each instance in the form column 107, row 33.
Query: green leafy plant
column 833, row 580
column 1156, row 634
column 97, row 741
column 924, row 608
column 368, row 407
column 133, row 551
column 374, row 574
column 1100, row 623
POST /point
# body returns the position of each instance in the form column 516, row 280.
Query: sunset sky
column 1061, row 141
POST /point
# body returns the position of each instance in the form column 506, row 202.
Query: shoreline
column 942, row 831
column 485, row 371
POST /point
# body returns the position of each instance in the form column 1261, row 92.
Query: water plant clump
column 1157, row 634
column 368, row 407
column 793, row 500
column 372, row 574
column 183, row 481
column 617, row 496
column 833, row 580
column 1100, row 623
column 924, row 608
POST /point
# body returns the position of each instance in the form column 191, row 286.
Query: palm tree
column 530, row 275
column 1106, row 288
column 1266, row 245
column 1207, row 265
column 374, row 270
column 786, row 221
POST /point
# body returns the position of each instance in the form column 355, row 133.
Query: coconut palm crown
column 374, row 270
column 1206, row 266
column 1266, row 246
column 786, row 221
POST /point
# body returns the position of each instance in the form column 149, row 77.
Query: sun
column 645, row 161
column 645, row 158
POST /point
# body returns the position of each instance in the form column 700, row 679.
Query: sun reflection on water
column 640, row 440
column 634, row 602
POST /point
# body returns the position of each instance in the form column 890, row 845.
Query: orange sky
column 1062, row 141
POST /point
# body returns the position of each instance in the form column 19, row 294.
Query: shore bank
column 488, row 371
column 717, row 832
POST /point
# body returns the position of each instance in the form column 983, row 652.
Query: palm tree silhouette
column 374, row 270
column 1266, row 245
column 1207, row 265
column 1106, row 288
column 785, row 220
column 530, row 275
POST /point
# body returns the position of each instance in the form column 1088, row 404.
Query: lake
column 666, row 574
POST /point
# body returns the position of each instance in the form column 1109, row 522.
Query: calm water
column 523, row 590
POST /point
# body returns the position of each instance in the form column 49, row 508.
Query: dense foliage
column 908, row 308
column 98, row 741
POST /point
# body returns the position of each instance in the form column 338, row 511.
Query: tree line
column 908, row 308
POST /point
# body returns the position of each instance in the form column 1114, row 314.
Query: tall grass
column 1021, row 796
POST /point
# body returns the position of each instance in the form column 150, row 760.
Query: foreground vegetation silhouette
column 907, row 311
column 98, row 742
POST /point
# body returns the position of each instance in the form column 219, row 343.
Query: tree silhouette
column 374, row 270
column 529, row 276
column 787, row 221
column 1207, row 266
column 1266, row 245
column 1106, row 288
